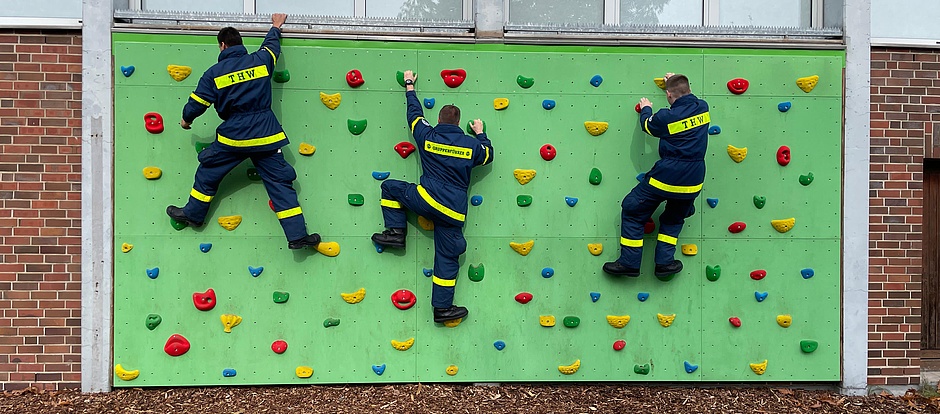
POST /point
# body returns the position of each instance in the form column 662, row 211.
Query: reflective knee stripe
column 630, row 242
column 390, row 203
column 440, row 207
column 255, row 142
column 665, row 238
column 200, row 100
column 678, row 189
column 200, row 196
column 291, row 212
column 415, row 122
column 443, row 282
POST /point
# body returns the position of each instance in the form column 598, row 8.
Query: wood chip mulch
column 442, row 398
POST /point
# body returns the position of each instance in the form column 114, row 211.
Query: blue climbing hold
column 378, row 247
column 429, row 103
column 153, row 273
column 784, row 106
column 499, row 345
column 571, row 201
column 712, row 202
column 596, row 80
column 641, row 176
column 548, row 104
column 427, row 272
column 378, row 369
column 690, row 368
column 205, row 247
column 714, row 130
column 228, row 372
column 807, row 273
column 476, row 200
column 595, row 296
column 548, row 272
column 380, row 175
column 642, row 296
column 760, row 296
column 255, row 271
column 127, row 70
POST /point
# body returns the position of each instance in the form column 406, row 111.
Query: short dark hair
column 450, row 114
column 230, row 37
column 678, row 85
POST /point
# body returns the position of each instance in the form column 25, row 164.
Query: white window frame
column 39, row 22
column 359, row 7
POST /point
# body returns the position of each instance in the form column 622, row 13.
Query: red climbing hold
column 176, row 345
column 354, row 78
column 619, row 344
column 271, row 204
column 783, row 155
column 649, row 227
column 153, row 122
column 279, row 346
column 524, row 297
column 737, row 227
column 403, row 299
column 204, row 301
column 735, row 322
column 453, row 77
column 758, row 274
column 548, row 152
column 404, row 149
column 738, row 86
column 637, row 108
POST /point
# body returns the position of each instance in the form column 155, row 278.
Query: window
column 791, row 13
column 217, row 6
column 673, row 12
column 416, row 9
column 308, row 7
column 57, row 14
column 546, row 12
column 914, row 23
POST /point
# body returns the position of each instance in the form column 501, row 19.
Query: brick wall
column 40, row 208
column 905, row 100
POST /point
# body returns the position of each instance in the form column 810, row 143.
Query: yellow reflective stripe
column 200, row 196
column 487, row 158
column 646, row 125
column 448, row 150
column 200, row 100
column 254, row 142
column 440, row 207
column 630, row 242
column 665, row 238
column 678, row 189
column 291, row 212
column 443, row 282
column 693, row 121
column 415, row 122
column 240, row 76
column 272, row 54
column 390, row 203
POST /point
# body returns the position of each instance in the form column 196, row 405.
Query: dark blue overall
column 447, row 156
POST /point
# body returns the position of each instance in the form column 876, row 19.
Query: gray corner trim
column 855, row 169
column 489, row 16
column 97, row 169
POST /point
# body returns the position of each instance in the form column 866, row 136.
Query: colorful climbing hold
column 425, row 224
column 332, row 101
column 595, row 296
column 303, row 372
column 204, row 301
column 735, row 321
column 548, row 104
column 153, row 273
column 738, row 86
column 758, row 274
column 760, row 201
column 548, row 272
column 595, row 248
column 660, row 82
column 547, row 321
column 355, row 199
column 451, row 370
column 571, row 201
column 523, row 200
column 618, row 321
column 642, row 296
column 649, row 226
column 429, row 103
column 329, row 249
column 403, row 299
column 500, row 103
column 153, row 122
column 356, row 127
column 229, row 321
column 523, row 297
column 378, row 247
column 806, row 179
column 524, row 82
column 760, row 296
column 476, row 200
column 689, row 249
column 571, row 321
column 784, row 320
column 807, row 83
column 178, row 225
column 808, row 345
column 354, row 78
column 475, row 273
column 470, row 128
column 328, row 322
column 783, row 155
column 427, row 272
column 637, row 108
column 452, row 323
column 179, row 73
column 783, row 225
column 126, row 247
column 381, row 175
column 400, row 77
column 641, row 369
column 176, row 345
column 619, row 345
column 404, row 149
column 230, row 222
column 595, row 177
column 127, row 70
column 596, row 80
column 152, row 173
column 712, row 202
column 665, row 320
column 595, row 128
column 282, row 76
column 760, row 368
column 737, row 154
column 453, row 77
column 522, row 248
column 523, row 176
column 378, row 369
column 403, row 345
column 737, row 227
column 499, row 345
column 712, row 273
column 255, row 271
column 355, row 297
column 689, row 368
column 807, row 273
column 201, row 146
column 153, row 321
column 570, row 369
column 547, row 152
column 122, row 373
column 279, row 346
column 714, row 130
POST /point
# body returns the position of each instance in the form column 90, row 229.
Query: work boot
column 177, row 214
column 617, row 269
column 668, row 269
column 442, row 315
column 309, row 240
column 390, row 238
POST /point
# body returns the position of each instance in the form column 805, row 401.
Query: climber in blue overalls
column 676, row 178
column 239, row 86
column 447, row 156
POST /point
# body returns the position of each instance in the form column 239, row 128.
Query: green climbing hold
column 666, row 278
column 641, row 369
column 201, row 146
column 759, row 201
column 281, row 76
column 808, row 345
column 712, row 273
column 357, row 127
column 328, row 322
column 806, row 179
column 400, row 77
column 525, row 82
column 572, row 321
column 470, row 127
column 253, row 174
column 475, row 273
column 178, row 225
column 153, row 320
column 524, row 200
column 281, row 297
column 596, row 176
column 356, row 199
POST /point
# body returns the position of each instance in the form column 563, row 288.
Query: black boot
column 668, row 269
column 177, row 214
column 390, row 238
column 309, row 240
column 442, row 315
column 617, row 269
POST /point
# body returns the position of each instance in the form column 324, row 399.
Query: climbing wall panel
column 359, row 348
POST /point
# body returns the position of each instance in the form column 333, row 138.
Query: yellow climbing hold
column 500, row 103
column 451, row 370
column 547, row 321
column 230, row 321
column 453, row 322
column 330, row 249
column 331, row 101
column 523, row 176
column 807, row 83
column 618, row 321
column 403, row 345
column 152, row 173
column 124, row 374
column 126, row 247
column 178, row 73
column 595, row 128
column 425, row 224
column 306, row 149
column 759, row 368
column 596, row 248
column 665, row 320
column 784, row 225
column 784, row 320
column 689, row 249
column 570, row 369
column 230, row 222
column 661, row 82
column 355, row 297
column 303, row 372
column 522, row 248
column 737, row 154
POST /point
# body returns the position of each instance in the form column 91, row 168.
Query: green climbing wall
column 343, row 163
